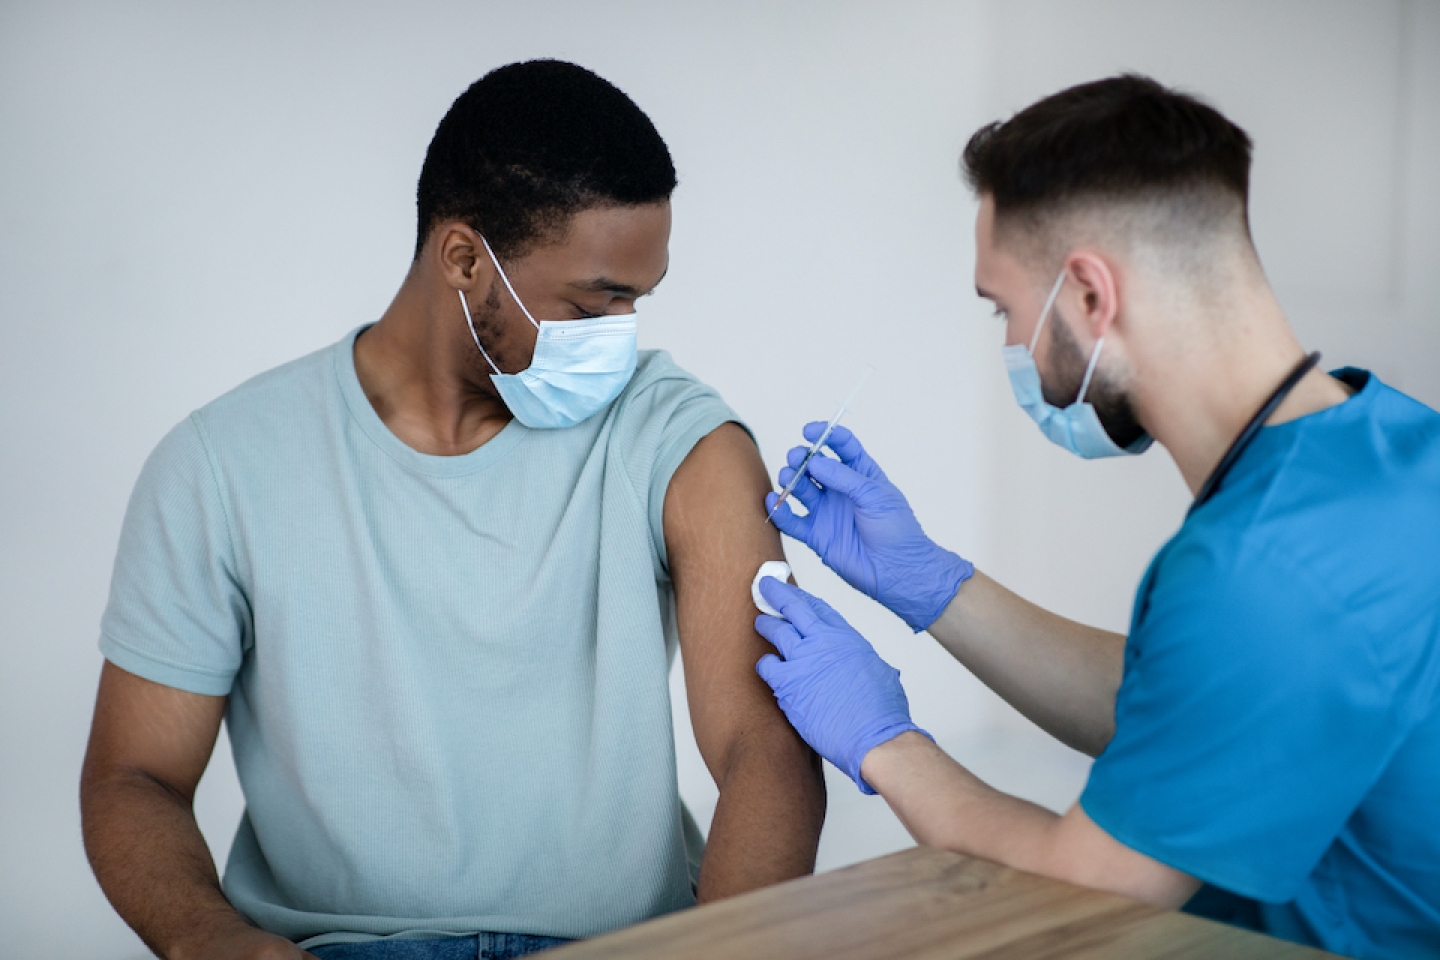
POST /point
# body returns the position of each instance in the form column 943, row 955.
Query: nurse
column 1267, row 737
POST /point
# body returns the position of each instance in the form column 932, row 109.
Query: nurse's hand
column 860, row 524
column 834, row 688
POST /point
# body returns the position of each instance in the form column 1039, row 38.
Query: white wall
column 192, row 193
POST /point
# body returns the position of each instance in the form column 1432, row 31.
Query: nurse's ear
column 1090, row 301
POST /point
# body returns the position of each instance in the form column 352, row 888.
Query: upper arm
column 146, row 728
column 178, row 612
column 716, row 537
column 173, row 631
column 1085, row 854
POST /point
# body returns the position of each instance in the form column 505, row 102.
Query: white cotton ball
column 778, row 569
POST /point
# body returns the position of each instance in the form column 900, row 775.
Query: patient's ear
column 460, row 256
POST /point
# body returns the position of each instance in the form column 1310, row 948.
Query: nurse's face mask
column 579, row 366
column 1077, row 427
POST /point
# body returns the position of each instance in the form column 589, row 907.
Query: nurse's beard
column 1061, row 386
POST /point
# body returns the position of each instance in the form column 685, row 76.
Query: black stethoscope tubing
column 1212, row 482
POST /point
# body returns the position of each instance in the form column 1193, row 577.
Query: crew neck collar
column 488, row 453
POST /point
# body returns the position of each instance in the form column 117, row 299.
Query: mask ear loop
column 1090, row 370
column 465, row 308
column 501, row 270
column 1045, row 313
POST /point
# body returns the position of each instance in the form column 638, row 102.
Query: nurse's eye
column 583, row 314
column 1001, row 314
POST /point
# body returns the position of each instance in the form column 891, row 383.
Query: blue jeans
column 482, row 946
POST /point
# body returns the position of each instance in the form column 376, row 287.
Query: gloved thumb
column 786, row 521
column 769, row 669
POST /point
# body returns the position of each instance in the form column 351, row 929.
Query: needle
column 815, row 447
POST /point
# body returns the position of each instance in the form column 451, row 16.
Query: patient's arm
column 149, row 744
column 772, row 795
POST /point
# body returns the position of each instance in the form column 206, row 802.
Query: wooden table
column 924, row 903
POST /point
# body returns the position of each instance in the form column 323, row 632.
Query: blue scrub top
column 1277, row 731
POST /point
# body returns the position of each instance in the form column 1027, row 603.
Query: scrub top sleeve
column 177, row 614
column 1241, row 746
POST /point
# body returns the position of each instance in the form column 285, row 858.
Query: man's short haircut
column 529, row 145
column 1117, row 140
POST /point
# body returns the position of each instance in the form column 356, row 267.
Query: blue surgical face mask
column 1077, row 427
column 579, row 365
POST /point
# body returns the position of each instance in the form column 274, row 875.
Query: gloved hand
column 864, row 530
column 834, row 688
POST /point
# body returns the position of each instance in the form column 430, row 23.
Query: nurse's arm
column 1060, row 674
column 944, row 805
column 149, row 744
column 772, row 795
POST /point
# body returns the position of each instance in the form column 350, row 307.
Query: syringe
column 820, row 442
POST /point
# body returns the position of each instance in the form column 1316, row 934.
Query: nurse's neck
column 1208, row 350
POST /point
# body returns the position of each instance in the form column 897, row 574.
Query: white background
column 191, row 193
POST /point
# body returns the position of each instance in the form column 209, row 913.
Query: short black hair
column 1121, row 138
column 529, row 145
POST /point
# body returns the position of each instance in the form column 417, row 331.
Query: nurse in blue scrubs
column 1267, row 736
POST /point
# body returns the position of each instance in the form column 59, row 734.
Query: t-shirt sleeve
column 669, row 413
column 1250, row 723
column 694, row 419
column 177, row 614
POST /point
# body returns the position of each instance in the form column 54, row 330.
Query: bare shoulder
column 728, row 449
column 719, row 489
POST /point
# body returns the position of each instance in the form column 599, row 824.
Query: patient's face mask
column 579, row 366
column 1077, row 427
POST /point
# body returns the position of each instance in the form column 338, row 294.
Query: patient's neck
column 423, row 375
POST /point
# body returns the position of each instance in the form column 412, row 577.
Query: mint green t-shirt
column 447, row 676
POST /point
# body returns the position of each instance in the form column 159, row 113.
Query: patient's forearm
column 153, row 864
column 767, row 823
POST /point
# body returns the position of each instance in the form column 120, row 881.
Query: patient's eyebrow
column 607, row 285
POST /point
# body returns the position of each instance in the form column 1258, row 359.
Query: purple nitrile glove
column 833, row 687
column 862, row 527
